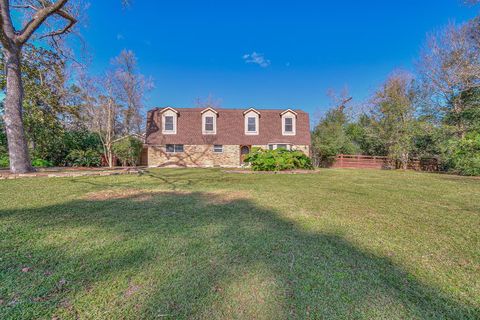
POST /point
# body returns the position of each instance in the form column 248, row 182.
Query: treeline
column 433, row 112
column 75, row 119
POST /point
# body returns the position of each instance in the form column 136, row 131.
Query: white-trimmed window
column 169, row 121
column 289, row 122
column 209, row 124
column 218, row 148
column 288, row 125
column 174, row 148
column 209, row 121
column 274, row 146
column 252, row 122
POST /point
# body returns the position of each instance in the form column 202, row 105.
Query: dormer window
column 169, row 126
column 209, row 121
column 252, row 124
column 289, row 122
column 288, row 125
column 208, row 124
column 252, row 119
column 169, row 121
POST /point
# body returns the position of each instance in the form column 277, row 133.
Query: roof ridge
column 227, row 109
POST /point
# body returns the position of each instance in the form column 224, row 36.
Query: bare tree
column 101, row 111
column 209, row 102
column 113, row 103
column 107, row 121
column 450, row 67
column 130, row 88
column 340, row 100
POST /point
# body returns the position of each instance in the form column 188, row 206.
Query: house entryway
column 244, row 150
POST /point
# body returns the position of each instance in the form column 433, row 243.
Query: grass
column 203, row 244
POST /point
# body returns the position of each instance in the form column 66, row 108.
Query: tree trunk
column 405, row 157
column 17, row 143
column 110, row 158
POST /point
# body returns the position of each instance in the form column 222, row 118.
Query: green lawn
column 203, row 244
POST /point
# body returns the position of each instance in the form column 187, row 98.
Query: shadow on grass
column 196, row 255
column 172, row 179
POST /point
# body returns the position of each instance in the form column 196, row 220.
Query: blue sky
column 265, row 54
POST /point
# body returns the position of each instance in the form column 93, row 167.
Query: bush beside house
column 277, row 160
column 128, row 151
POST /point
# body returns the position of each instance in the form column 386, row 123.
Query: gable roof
column 287, row 111
column 167, row 109
column 251, row 110
column 230, row 128
column 209, row 109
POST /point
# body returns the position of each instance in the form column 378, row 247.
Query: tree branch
column 40, row 16
column 71, row 22
column 7, row 32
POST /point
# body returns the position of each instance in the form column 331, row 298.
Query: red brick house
column 195, row 137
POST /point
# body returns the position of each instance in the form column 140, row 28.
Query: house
column 196, row 137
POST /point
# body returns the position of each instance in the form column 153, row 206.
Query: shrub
column 462, row 156
column 4, row 162
column 55, row 146
column 3, row 150
column 3, row 136
column 277, row 160
column 84, row 158
column 41, row 163
column 128, row 150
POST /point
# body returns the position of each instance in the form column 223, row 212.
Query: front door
column 244, row 150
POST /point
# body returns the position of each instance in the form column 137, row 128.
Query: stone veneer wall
column 203, row 156
column 194, row 156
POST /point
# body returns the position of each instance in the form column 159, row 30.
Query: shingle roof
column 230, row 128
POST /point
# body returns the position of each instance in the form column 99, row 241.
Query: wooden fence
column 377, row 162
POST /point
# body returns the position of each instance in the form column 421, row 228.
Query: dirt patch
column 246, row 171
column 111, row 194
column 117, row 194
column 131, row 194
column 131, row 290
column 225, row 196
column 220, row 197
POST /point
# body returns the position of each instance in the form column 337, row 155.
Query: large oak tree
column 42, row 19
column 50, row 18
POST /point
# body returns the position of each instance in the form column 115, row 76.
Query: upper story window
column 252, row 122
column 289, row 122
column 209, row 121
column 169, row 121
column 208, row 124
column 169, row 126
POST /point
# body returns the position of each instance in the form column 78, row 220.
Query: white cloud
column 256, row 58
column 120, row 36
